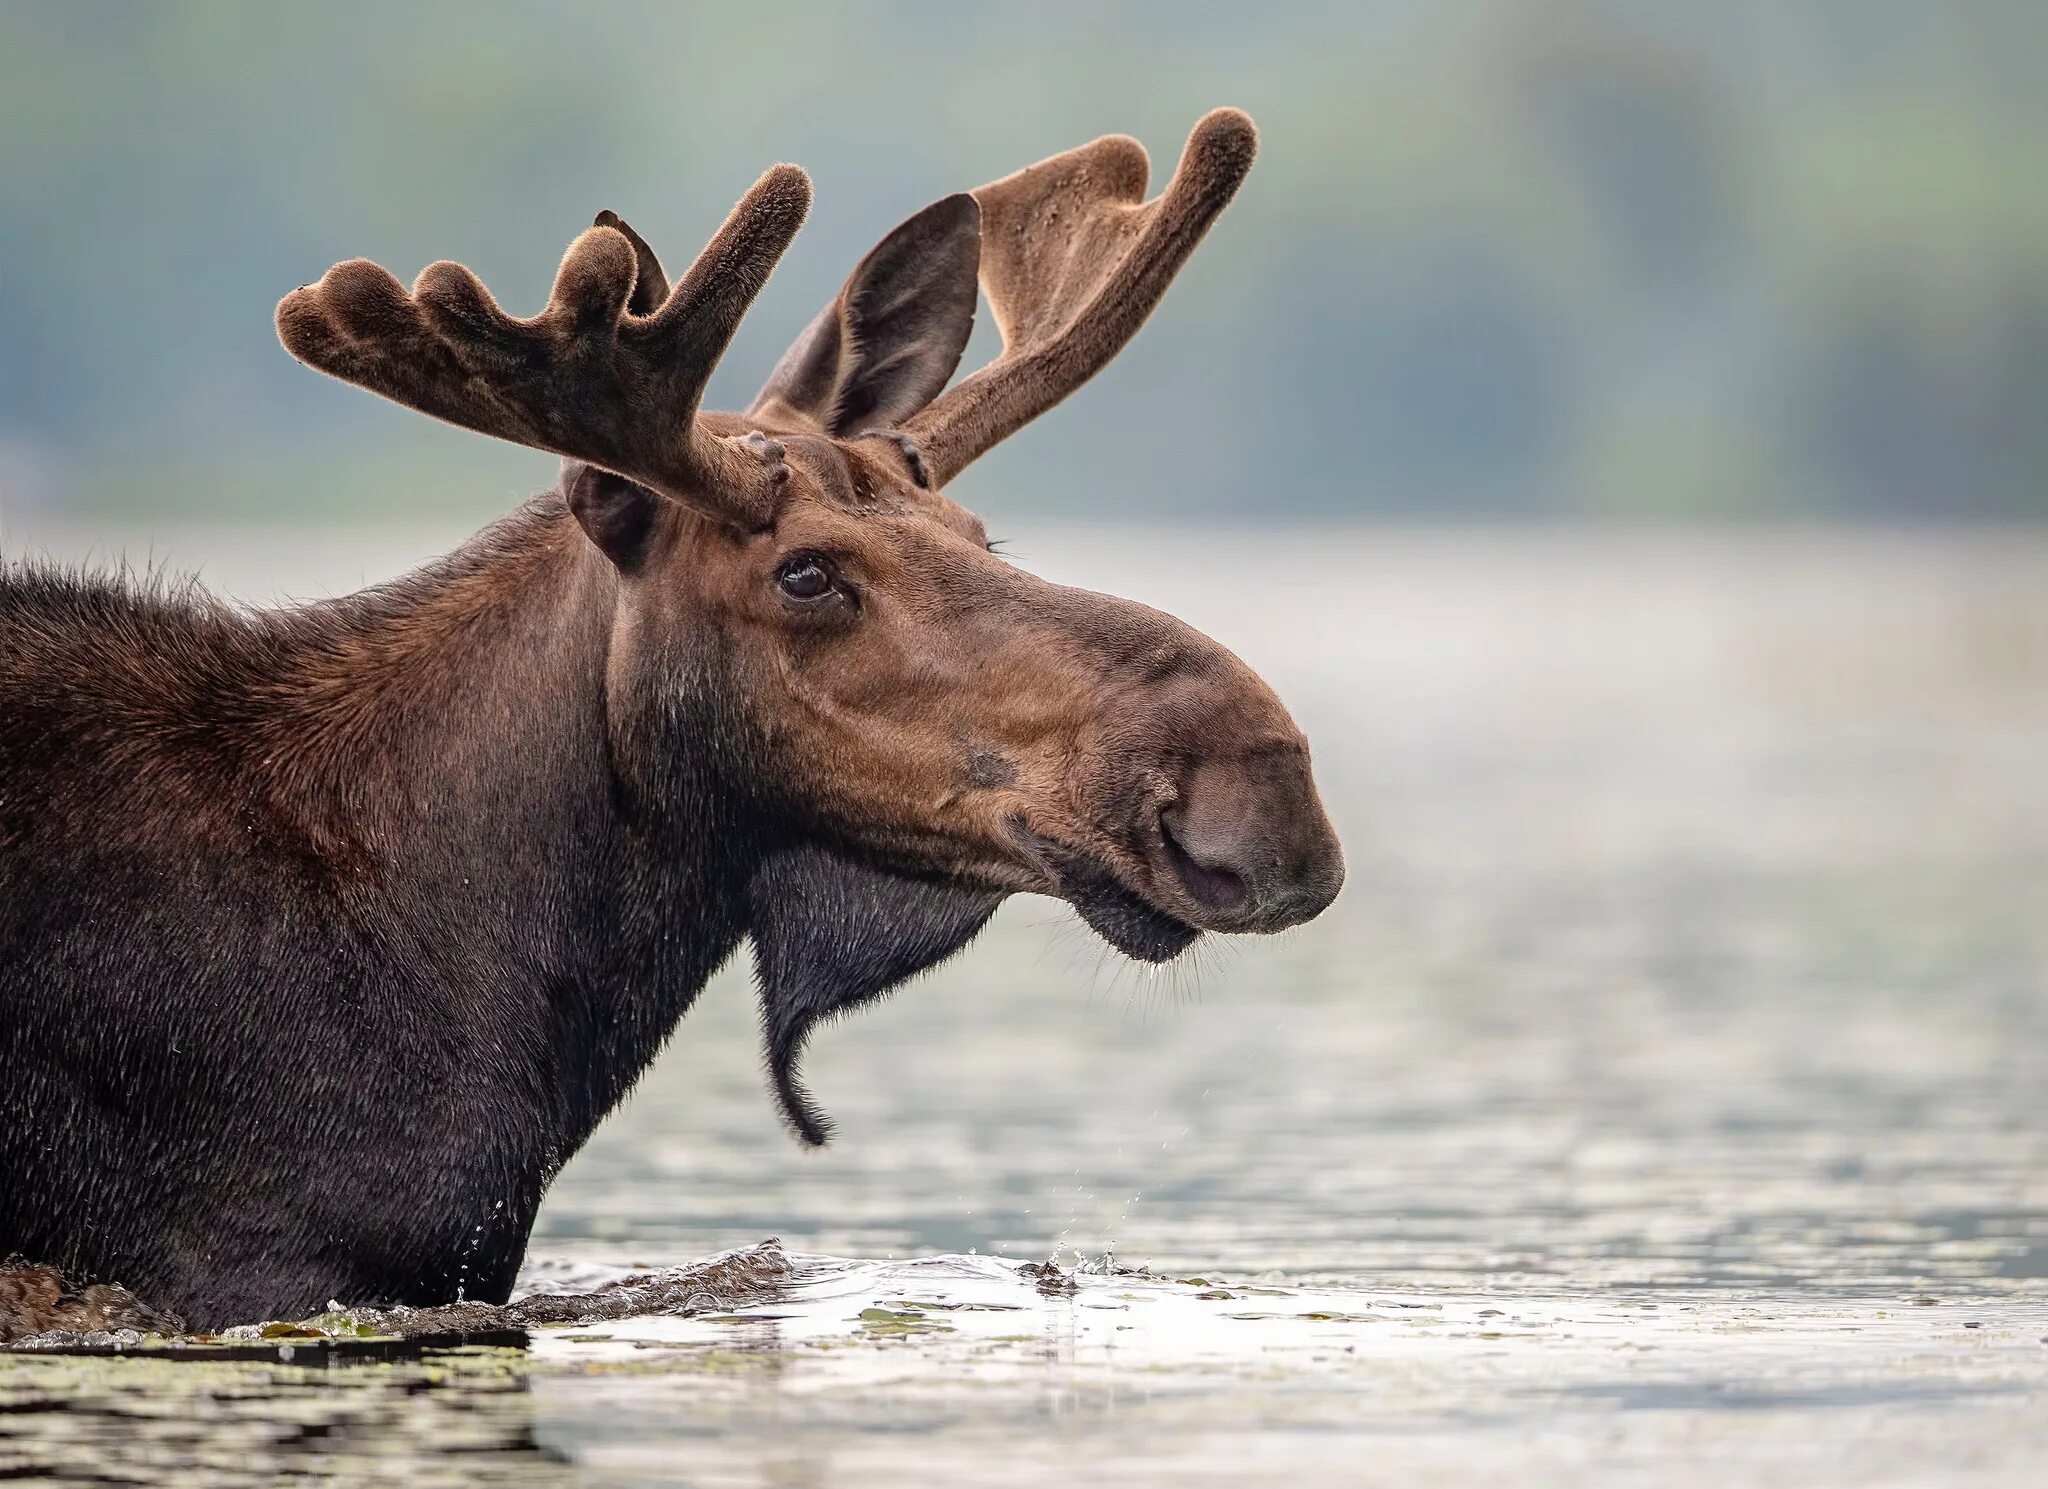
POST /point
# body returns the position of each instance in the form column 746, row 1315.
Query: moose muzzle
column 1249, row 842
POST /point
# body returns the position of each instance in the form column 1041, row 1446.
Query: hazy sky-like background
column 1498, row 257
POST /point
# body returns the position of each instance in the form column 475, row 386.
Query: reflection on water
column 1665, row 1089
column 456, row 1417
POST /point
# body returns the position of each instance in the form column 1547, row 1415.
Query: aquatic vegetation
column 49, row 1318
column 37, row 1300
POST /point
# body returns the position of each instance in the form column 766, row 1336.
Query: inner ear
column 831, row 934
column 889, row 342
column 617, row 514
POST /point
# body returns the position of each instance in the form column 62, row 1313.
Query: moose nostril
column 1247, row 841
column 1212, row 878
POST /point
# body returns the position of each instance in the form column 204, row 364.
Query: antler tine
column 1073, row 260
column 590, row 377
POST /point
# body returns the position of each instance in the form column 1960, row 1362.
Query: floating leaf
column 290, row 1331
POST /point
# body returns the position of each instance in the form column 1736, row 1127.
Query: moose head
column 914, row 728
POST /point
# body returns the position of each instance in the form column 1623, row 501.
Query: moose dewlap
column 458, row 851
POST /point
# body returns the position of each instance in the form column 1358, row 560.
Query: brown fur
column 328, row 934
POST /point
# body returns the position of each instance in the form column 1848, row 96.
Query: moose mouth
column 1120, row 915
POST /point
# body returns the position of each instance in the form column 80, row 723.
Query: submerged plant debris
column 41, row 1313
column 38, row 1303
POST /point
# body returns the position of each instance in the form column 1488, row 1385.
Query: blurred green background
column 1499, row 256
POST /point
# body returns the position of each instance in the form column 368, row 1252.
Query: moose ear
column 650, row 283
column 831, row 934
column 888, row 344
column 617, row 514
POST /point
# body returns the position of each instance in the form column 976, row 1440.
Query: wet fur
column 328, row 935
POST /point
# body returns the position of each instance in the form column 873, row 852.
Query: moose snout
column 1249, row 842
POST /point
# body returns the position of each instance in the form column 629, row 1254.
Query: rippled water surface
column 1666, row 1098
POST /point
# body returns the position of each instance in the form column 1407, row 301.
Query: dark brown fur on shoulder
column 304, row 717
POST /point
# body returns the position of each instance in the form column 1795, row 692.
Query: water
column 1664, row 1098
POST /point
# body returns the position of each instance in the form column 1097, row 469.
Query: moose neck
column 455, row 733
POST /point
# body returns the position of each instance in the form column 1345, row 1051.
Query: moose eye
column 807, row 578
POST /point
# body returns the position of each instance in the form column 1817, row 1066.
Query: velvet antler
column 1073, row 258
column 609, row 373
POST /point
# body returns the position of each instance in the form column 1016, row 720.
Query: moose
column 328, row 933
